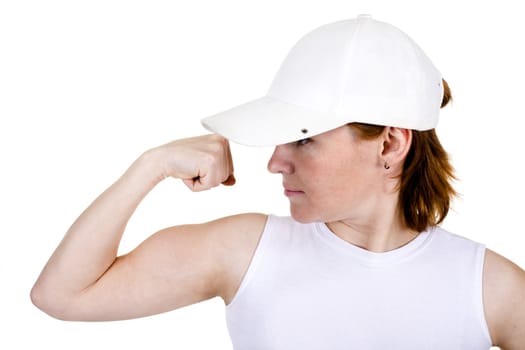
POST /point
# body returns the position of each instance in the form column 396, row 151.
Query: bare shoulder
column 504, row 301
column 235, row 239
column 237, row 231
column 246, row 223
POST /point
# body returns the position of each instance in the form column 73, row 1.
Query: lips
column 290, row 191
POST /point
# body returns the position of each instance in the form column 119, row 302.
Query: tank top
column 306, row 288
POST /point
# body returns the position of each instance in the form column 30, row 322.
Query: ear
column 395, row 146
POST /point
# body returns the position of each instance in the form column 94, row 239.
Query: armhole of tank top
column 480, row 264
column 256, row 258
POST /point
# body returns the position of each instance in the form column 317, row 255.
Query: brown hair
column 425, row 190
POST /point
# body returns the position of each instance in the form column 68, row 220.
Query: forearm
column 91, row 244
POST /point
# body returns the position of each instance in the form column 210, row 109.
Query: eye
column 303, row 142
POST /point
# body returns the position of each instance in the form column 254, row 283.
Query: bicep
column 175, row 267
column 504, row 301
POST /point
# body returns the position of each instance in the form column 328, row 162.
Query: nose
column 280, row 161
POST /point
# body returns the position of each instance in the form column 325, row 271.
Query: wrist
column 148, row 167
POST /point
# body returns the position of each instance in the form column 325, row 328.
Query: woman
column 361, row 263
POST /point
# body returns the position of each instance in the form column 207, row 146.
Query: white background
column 86, row 86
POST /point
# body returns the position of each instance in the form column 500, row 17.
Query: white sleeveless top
column 308, row 289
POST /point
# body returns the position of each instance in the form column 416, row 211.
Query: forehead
column 342, row 134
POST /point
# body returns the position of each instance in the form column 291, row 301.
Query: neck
column 380, row 234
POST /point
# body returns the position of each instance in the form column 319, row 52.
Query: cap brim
column 268, row 122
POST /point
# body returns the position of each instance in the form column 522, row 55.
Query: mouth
column 292, row 192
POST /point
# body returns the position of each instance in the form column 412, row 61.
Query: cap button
column 364, row 16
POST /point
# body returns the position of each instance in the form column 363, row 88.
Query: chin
column 309, row 214
column 304, row 217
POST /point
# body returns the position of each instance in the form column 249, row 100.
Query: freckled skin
column 337, row 171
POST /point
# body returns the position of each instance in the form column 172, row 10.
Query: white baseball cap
column 355, row 70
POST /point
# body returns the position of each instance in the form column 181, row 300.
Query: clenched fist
column 200, row 162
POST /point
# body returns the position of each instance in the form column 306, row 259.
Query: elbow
column 50, row 302
column 37, row 296
column 43, row 301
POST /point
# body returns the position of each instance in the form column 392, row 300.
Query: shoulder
column 450, row 238
column 238, row 223
column 234, row 240
column 237, row 233
column 458, row 249
column 504, row 300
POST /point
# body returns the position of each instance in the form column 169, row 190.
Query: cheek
column 335, row 184
column 329, row 187
column 342, row 185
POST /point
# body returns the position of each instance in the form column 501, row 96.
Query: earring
column 387, row 166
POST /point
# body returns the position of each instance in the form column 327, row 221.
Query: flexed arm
column 85, row 280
